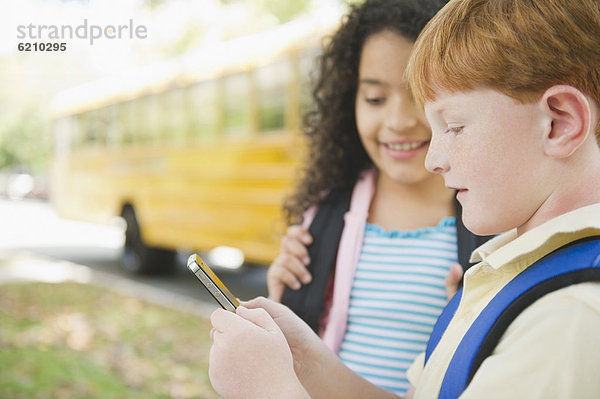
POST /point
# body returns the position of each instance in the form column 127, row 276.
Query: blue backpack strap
column 572, row 264
column 442, row 323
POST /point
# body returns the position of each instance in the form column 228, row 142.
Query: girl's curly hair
column 336, row 155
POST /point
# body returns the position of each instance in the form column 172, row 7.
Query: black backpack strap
column 326, row 230
column 466, row 241
column 575, row 263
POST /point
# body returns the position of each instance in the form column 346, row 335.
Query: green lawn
column 72, row 340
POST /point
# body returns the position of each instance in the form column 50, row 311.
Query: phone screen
column 213, row 284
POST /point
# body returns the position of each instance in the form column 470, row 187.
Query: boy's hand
column 250, row 357
column 452, row 280
column 289, row 268
column 302, row 340
column 319, row 370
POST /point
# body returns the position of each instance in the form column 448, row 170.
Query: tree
column 25, row 142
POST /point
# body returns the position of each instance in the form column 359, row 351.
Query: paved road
column 31, row 229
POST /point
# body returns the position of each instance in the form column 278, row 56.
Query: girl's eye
column 375, row 100
column 454, row 129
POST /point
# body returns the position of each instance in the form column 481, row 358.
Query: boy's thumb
column 260, row 317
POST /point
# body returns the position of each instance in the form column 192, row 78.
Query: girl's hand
column 452, row 280
column 289, row 268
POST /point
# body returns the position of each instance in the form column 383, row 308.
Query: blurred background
column 133, row 133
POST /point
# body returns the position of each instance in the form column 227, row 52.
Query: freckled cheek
column 465, row 158
column 490, row 171
column 453, row 152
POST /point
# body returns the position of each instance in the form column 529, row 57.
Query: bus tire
column 137, row 257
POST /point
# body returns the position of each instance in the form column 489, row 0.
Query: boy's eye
column 454, row 129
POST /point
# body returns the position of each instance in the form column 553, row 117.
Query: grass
column 72, row 340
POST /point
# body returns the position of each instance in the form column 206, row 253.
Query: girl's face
column 392, row 129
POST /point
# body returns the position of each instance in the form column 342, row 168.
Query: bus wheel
column 137, row 257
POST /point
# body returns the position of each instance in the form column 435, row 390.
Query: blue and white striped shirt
column 397, row 294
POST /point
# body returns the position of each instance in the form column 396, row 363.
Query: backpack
column 326, row 230
column 574, row 263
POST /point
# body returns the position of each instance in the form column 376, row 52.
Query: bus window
column 80, row 131
column 148, row 115
column 113, row 133
column 236, row 109
column 92, row 129
column 89, row 137
column 272, row 81
column 126, row 123
column 64, row 129
column 139, row 121
column 173, row 114
column 99, row 126
column 204, row 111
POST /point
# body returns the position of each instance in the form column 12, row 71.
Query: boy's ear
column 570, row 113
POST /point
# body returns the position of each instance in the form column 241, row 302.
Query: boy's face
column 489, row 147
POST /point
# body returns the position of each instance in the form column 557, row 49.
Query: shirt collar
column 541, row 240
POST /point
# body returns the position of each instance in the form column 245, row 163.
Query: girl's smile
column 405, row 149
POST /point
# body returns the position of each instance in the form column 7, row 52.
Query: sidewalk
column 24, row 268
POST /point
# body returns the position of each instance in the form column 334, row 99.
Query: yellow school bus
column 196, row 152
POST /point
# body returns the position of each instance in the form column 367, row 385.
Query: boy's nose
column 435, row 160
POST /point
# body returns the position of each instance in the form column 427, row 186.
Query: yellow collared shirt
column 552, row 349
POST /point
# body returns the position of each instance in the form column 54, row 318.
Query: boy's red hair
column 517, row 47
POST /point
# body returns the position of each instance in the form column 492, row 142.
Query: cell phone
column 212, row 283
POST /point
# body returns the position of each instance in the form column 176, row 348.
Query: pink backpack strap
column 347, row 258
